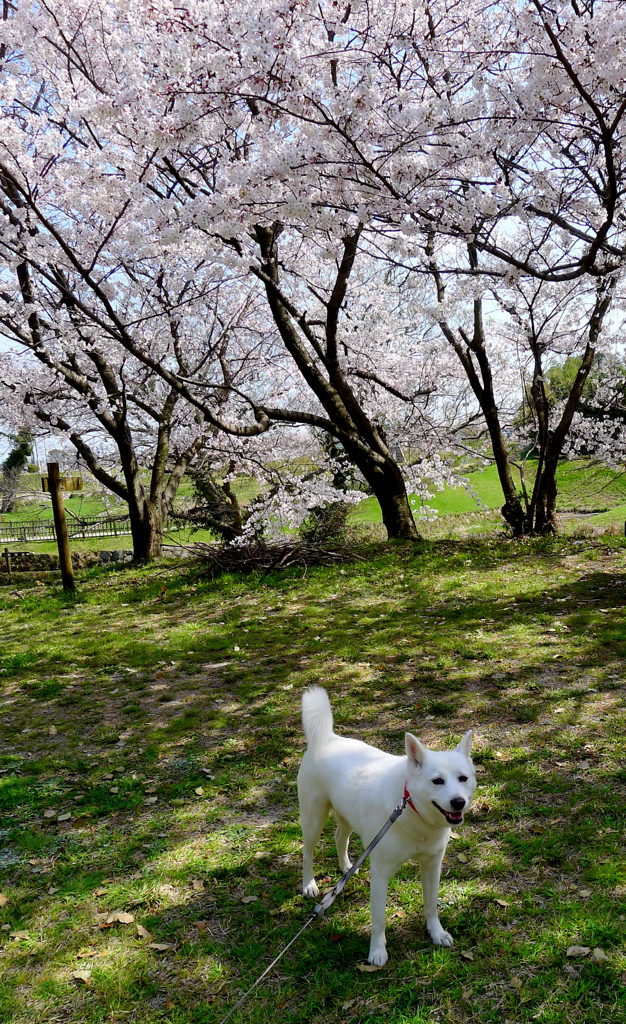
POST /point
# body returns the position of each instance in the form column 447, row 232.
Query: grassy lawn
column 147, row 788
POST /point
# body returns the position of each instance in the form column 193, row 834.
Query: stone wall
column 32, row 561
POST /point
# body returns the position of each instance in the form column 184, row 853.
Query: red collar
column 407, row 797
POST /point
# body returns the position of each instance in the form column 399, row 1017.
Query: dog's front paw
column 310, row 889
column 440, row 937
column 378, row 956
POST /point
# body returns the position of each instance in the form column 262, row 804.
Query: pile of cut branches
column 260, row 557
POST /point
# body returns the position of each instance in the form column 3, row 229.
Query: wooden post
column 63, row 544
column 7, row 560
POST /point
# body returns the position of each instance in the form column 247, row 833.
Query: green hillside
column 584, row 487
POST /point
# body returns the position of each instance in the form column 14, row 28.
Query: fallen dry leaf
column 3, row 899
column 574, row 951
column 368, row 968
column 143, row 933
column 161, row 947
column 466, row 955
column 82, row 976
column 599, row 955
column 19, row 935
column 199, row 791
column 64, row 817
column 502, row 903
column 249, row 899
column 120, row 917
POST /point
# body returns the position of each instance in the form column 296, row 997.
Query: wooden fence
column 78, row 529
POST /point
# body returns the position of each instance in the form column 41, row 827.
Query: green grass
column 589, row 497
column 160, row 711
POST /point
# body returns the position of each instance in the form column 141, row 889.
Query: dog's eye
column 439, row 782
column 462, row 778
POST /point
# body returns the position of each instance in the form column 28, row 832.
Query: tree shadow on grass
column 134, row 740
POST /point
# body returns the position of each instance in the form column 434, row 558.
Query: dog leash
column 327, row 900
column 330, row 897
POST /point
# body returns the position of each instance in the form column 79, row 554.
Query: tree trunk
column 146, row 524
column 513, row 510
column 542, row 507
column 514, row 515
column 388, row 486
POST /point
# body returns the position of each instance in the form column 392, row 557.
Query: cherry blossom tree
column 135, row 436
column 526, row 324
column 286, row 143
column 134, row 431
column 76, row 192
column 544, row 331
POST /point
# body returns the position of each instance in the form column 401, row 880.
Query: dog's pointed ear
column 415, row 751
column 466, row 743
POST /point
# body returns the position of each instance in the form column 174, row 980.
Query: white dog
column 361, row 785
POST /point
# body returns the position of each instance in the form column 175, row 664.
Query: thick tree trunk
column 388, row 486
column 514, row 515
column 146, row 524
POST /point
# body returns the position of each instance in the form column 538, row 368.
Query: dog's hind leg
column 343, row 832
column 313, row 815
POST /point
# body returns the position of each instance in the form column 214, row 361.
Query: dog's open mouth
column 452, row 817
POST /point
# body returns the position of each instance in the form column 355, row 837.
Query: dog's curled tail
column 317, row 717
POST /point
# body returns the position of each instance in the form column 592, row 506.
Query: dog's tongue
column 452, row 817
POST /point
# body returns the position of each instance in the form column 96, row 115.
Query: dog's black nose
column 457, row 803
